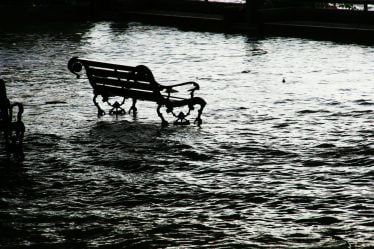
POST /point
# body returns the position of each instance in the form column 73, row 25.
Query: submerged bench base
column 12, row 127
column 117, row 108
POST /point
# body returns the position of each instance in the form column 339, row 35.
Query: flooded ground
column 275, row 165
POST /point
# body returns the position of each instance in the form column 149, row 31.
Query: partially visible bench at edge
column 109, row 80
column 10, row 121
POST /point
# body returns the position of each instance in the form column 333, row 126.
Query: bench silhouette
column 136, row 83
column 10, row 121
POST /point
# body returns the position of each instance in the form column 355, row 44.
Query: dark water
column 275, row 165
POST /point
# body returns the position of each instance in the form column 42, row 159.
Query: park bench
column 136, row 83
column 10, row 121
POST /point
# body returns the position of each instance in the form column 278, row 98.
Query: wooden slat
column 90, row 63
column 104, row 72
column 118, row 74
column 122, row 83
column 129, row 93
column 137, row 94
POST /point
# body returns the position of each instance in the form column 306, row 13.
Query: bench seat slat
column 101, row 72
column 106, row 65
column 127, row 93
column 118, row 74
column 122, row 83
column 130, row 93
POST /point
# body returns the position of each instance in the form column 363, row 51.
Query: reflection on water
column 276, row 164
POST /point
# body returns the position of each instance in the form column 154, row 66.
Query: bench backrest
column 135, row 82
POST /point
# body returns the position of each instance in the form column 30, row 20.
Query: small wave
column 359, row 207
column 333, row 103
column 264, row 151
column 269, row 239
column 354, row 113
column 325, row 145
column 362, row 161
column 314, row 163
column 42, row 140
column 196, row 156
column 363, row 102
column 54, row 102
column 328, row 220
column 312, row 111
column 281, row 125
column 368, row 224
column 303, row 238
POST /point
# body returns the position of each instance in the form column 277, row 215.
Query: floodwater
column 275, row 165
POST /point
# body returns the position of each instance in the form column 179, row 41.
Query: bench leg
column 20, row 133
column 133, row 108
column 163, row 121
column 202, row 103
column 14, row 138
column 117, row 109
column 7, row 137
column 100, row 112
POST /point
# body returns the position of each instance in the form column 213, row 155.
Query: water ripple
column 275, row 165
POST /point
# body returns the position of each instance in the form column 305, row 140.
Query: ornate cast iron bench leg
column 100, row 112
column 181, row 119
column 163, row 121
column 133, row 108
column 116, row 108
column 198, row 121
column 14, row 141
column 14, row 132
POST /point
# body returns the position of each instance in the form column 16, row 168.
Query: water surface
column 275, row 165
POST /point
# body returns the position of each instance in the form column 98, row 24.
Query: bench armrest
column 170, row 89
column 75, row 66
